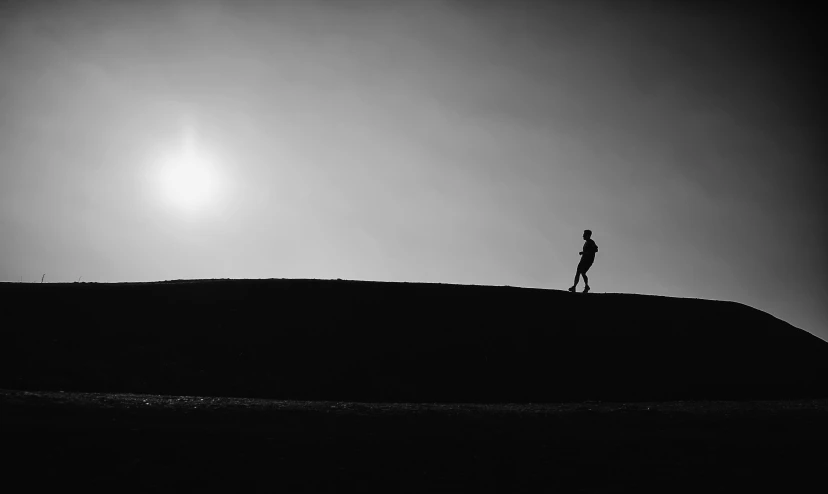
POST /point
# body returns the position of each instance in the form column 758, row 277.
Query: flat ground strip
column 158, row 443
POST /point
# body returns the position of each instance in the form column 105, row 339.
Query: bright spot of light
column 187, row 177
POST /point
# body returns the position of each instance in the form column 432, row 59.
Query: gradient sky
column 439, row 141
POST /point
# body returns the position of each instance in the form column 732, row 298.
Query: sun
column 188, row 178
column 187, row 181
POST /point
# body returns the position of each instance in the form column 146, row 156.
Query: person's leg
column 583, row 267
column 577, row 277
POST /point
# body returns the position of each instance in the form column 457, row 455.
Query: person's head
column 587, row 234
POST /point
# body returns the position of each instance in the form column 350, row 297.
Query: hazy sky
column 440, row 141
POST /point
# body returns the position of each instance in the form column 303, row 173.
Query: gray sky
column 439, row 141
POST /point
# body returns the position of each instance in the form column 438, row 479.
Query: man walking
column 587, row 258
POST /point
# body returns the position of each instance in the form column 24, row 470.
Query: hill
column 398, row 342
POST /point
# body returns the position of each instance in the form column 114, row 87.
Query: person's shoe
column 586, row 289
column 572, row 289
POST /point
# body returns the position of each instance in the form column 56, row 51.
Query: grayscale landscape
column 317, row 386
column 412, row 246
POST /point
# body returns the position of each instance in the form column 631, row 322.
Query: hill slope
column 405, row 342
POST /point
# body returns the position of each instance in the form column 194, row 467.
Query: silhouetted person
column 587, row 258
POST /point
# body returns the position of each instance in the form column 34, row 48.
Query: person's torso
column 590, row 248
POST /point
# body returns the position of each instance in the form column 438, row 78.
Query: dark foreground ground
column 158, row 443
column 377, row 342
column 640, row 393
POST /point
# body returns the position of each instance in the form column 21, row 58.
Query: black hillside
column 398, row 342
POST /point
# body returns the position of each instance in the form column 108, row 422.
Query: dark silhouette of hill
column 398, row 342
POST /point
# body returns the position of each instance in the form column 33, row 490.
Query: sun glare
column 188, row 178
